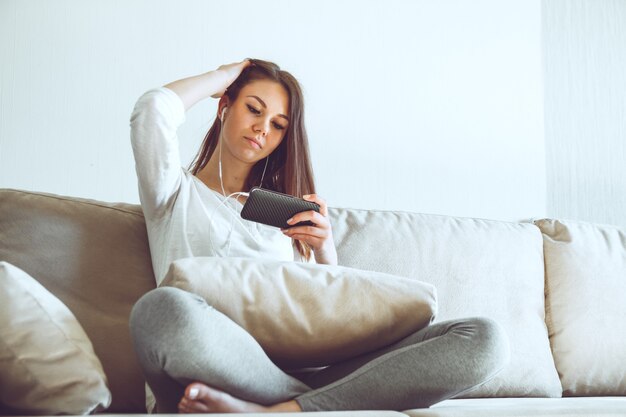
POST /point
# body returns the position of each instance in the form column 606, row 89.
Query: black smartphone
column 274, row 209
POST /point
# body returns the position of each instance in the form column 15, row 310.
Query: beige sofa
column 558, row 288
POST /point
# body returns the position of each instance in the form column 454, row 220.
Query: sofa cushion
column 94, row 257
column 306, row 315
column 480, row 268
column 47, row 363
column 352, row 413
column 524, row 407
column 586, row 305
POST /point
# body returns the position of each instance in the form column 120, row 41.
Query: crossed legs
column 183, row 343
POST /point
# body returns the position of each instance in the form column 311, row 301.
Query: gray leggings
column 180, row 339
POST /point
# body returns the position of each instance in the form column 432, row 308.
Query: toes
column 189, row 406
column 201, row 393
column 182, row 408
column 196, row 391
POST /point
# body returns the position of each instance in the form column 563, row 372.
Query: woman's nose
column 262, row 127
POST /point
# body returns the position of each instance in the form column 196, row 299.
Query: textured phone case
column 274, row 208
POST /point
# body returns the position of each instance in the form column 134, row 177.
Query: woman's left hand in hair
column 319, row 236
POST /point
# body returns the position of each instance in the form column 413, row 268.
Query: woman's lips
column 252, row 143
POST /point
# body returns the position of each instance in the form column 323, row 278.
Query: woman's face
column 256, row 122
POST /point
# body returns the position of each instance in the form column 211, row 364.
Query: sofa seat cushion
column 525, row 407
column 94, row 257
column 479, row 267
column 365, row 413
column 586, row 305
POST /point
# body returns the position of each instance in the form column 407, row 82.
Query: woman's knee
column 157, row 309
column 491, row 347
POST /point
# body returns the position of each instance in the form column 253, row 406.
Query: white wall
column 427, row 106
column 585, row 96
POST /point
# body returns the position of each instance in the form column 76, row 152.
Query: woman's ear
column 221, row 107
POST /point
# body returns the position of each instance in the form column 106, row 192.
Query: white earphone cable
column 223, row 203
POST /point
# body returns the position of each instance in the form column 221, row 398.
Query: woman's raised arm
column 210, row 84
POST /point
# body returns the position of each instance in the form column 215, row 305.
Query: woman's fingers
column 231, row 72
column 234, row 70
column 319, row 200
column 305, row 230
column 321, row 224
column 312, row 236
column 319, row 236
column 312, row 216
column 315, row 235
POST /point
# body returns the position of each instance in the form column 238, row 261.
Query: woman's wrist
column 222, row 80
column 194, row 89
column 326, row 256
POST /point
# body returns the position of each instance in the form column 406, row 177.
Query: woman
column 197, row 360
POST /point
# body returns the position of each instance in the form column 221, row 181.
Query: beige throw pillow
column 586, row 305
column 47, row 363
column 306, row 314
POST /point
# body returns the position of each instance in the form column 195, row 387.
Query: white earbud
column 223, row 111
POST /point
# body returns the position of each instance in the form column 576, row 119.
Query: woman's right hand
column 213, row 83
column 230, row 72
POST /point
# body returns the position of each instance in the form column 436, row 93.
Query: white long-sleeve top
column 184, row 217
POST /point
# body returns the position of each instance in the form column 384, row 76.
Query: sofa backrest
column 94, row 257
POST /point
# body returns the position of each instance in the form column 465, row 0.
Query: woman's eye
column 253, row 110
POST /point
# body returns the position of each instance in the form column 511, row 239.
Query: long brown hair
column 289, row 168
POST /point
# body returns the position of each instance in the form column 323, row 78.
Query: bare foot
column 200, row 398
